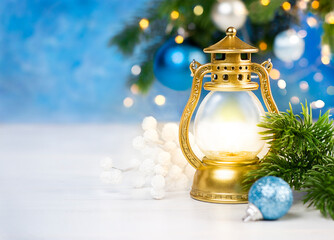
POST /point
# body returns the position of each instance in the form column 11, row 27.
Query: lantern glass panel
column 226, row 125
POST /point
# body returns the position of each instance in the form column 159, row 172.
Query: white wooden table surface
column 50, row 189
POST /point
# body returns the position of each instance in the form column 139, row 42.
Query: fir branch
column 319, row 186
column 296, row 146
column 263, row 14
column 127, row 39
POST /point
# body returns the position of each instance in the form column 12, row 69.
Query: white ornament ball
column 111, row 177
column 158, row 182
column 138, row 143
column 170, row 132
column 164, row 158
column 175, row 172
column 288, row 46
column 182, row 182
column 147, row 151
column 229, row 13
column 178, row 158
column 160, row 170
column 149, row 123
column 147, row 166
column 106, row 163
column 151, row 136
column 169, row 146
column 157, row 193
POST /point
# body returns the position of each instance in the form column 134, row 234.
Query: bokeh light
column 144, row 23
column 174, row 15
column 128, row 102
column 160, row 100
column 265, row 2
column 198, row 10
column 179, row 39
column 286, row 6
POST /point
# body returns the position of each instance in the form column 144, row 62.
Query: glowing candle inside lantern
column 226, row 125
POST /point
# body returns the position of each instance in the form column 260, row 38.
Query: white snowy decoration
column 159, row 165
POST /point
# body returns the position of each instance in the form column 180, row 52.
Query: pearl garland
column 160, row 165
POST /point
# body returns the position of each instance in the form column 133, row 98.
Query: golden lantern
column 225, row 125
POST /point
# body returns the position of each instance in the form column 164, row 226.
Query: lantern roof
column 231, row 44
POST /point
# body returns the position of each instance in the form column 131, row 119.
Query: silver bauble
column 229, row 13
column 288, row 46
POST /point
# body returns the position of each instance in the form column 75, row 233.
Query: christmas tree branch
column 299, row 149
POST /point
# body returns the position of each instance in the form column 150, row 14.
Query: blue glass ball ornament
column 269, row 198
column 288, row 46
column 171, row 64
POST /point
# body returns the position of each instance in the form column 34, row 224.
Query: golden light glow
column 325, row 60
column 174, row 15
column 330, row 18
column 179, row 39
column 315, row 4
column 263, row 46
column 198, row 10
column 160, row 100
column 274, row 74
column 144, row 23
column 134, row 89
column 127, row 102
column 286, row 6
column 265, row 2
column 311, row 21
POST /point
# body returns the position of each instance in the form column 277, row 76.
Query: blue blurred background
column 56, row 66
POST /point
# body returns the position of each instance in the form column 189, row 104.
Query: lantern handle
column 262, row 70
column 198, row 71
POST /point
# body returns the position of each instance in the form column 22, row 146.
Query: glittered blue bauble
column 171, row 64
column 272, row 196
column 288, row 46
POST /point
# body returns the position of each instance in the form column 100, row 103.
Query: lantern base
column 222, row 182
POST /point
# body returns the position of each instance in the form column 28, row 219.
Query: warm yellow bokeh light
column 330, row 19
column 263, row 46
column 198, row 10
column 286, row 6
column 179, row 39
column 315, row 4
column 274, row 74
column 265, row 2
column 127, row 102
column 325, row 60
column 134, row 89
column 174, row 15
column 160, row 100
column 311, row 21
column 144, row 23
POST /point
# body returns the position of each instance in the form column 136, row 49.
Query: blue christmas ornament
column 269, row 198
column 171, row 64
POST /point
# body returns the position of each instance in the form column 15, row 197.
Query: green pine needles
column 301, row 153
column 319, row 185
